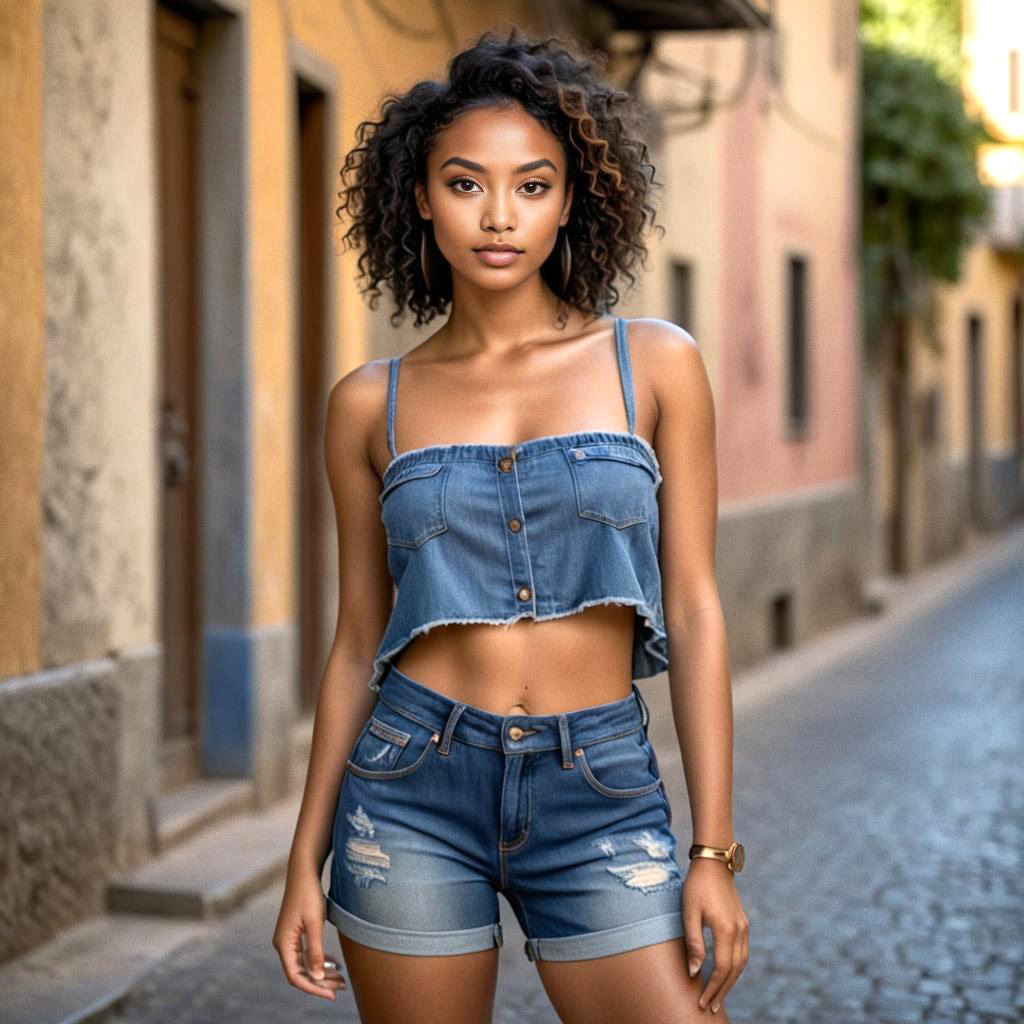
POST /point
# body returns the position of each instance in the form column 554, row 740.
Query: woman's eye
column 535, row 187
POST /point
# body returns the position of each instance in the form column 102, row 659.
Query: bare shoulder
column 661, row 341
column 360, row 388
column 355, row 406
column 669, row 358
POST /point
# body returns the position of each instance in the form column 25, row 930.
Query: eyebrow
column 521, row 169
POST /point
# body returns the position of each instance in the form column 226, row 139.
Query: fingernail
column 714, row 1007
column 318, row 974
column 694, row 965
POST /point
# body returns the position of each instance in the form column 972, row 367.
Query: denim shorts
column 443, row 805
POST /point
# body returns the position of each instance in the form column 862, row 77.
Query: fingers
column 293, row 962
column 329, row 976
column 315, row 951
column 731, row 946
column 693, row 930
column 724, row 937
column 736, row 963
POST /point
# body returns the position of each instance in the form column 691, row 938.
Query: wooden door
column 976, row 422
column 178, row 98
column 314, row 224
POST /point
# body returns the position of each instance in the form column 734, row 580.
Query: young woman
column 540, row 465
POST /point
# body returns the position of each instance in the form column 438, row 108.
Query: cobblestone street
column 885, row 816
column 883, row 813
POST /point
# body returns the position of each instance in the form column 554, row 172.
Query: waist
column 529, row 666
column 472, row 724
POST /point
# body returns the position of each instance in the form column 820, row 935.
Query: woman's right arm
column 345, row 700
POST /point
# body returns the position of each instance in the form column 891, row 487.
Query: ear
column 566, row 206
column 421, row 200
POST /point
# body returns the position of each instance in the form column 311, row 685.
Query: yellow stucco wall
column 272, row 339
column 991, row 29
column 987, row 287
column 22, row 334
column 690, row 165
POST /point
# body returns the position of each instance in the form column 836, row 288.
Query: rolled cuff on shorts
column 591, row 945
column 397, row 940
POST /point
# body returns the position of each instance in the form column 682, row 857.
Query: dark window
column 781, row 619
column 930, row 403
column 1017, row 382
column 682, row 295
column 796, row 326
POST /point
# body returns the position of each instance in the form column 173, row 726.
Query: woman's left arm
column 699, row 680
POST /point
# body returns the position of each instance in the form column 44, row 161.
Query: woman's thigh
column 649, row 985
column 397, row 988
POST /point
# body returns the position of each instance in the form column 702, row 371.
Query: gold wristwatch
column 732, row 858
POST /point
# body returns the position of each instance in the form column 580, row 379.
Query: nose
column 498, row 214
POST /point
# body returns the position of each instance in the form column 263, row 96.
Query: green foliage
column 929, row 29
column 922, row 201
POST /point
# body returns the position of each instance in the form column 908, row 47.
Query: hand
column 710, row 897
column 302, row 913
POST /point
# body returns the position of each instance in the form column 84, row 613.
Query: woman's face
column 495, row 176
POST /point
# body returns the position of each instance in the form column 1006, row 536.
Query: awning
column 687, row 15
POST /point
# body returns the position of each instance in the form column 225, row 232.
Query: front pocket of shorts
column 621, row 767
column 412, row 504
column 613, row 484
column 390, row 746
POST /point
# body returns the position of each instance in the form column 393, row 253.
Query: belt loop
column 645, row 713
column 566, row 740
column 444, row 747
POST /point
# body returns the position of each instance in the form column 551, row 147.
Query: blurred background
column 844, row 205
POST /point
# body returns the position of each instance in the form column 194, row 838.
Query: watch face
column 737, row 857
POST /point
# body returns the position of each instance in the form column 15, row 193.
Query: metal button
column 515, row 733
column 580, row 453
column 523, row 593
column 505, row 464
column 514, row 525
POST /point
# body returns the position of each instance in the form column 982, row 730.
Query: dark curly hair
column 560, row 84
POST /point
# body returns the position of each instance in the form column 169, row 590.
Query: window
column 1017, row 376
column 796, row 349
column 682, row 295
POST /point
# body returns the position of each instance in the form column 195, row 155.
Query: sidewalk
column 90, row 969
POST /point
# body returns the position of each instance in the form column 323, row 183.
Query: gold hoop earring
column 566, row 261
column 423, row 257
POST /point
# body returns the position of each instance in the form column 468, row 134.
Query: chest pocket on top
column 614, row 484
column 413, row 504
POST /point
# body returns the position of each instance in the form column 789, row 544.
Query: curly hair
column 560, row 84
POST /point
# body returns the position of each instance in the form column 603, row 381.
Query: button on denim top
column 544, row 528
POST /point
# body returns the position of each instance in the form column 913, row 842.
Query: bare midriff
column 529, row 667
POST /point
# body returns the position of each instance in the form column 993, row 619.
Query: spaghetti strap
column 625, row 369
column 393, row 366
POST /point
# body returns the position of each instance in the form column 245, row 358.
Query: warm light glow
column 1001, row 165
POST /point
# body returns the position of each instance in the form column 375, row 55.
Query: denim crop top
column 492, row 533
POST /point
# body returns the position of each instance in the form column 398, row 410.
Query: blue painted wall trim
column 229, row 691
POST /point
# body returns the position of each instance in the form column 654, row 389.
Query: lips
column 498, row 257
column 498, row 248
